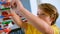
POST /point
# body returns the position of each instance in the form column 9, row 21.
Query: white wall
column 33, row 4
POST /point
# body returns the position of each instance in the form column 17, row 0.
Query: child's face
column 41, row 14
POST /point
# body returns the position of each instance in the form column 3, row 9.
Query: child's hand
column 16, row 4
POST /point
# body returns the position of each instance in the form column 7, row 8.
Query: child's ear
column 52, row 19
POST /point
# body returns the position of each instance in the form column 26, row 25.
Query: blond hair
column 50, row 10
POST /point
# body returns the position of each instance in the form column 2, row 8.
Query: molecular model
column 5, row 17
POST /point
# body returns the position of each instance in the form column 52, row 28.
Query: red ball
column 4, row 13
column 6, row 30
column 1, row 31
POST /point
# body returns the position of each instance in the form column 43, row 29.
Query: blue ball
column 2, row 2
column 1, row 16
column 1, row 29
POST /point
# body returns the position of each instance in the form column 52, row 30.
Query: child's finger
column 13, row 4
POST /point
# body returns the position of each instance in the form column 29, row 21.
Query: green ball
column 6, row 22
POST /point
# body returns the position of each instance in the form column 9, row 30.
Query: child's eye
column 42, row 14
column 37, row 14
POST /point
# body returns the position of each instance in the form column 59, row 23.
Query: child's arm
column 35, row 21
column 17, row 19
